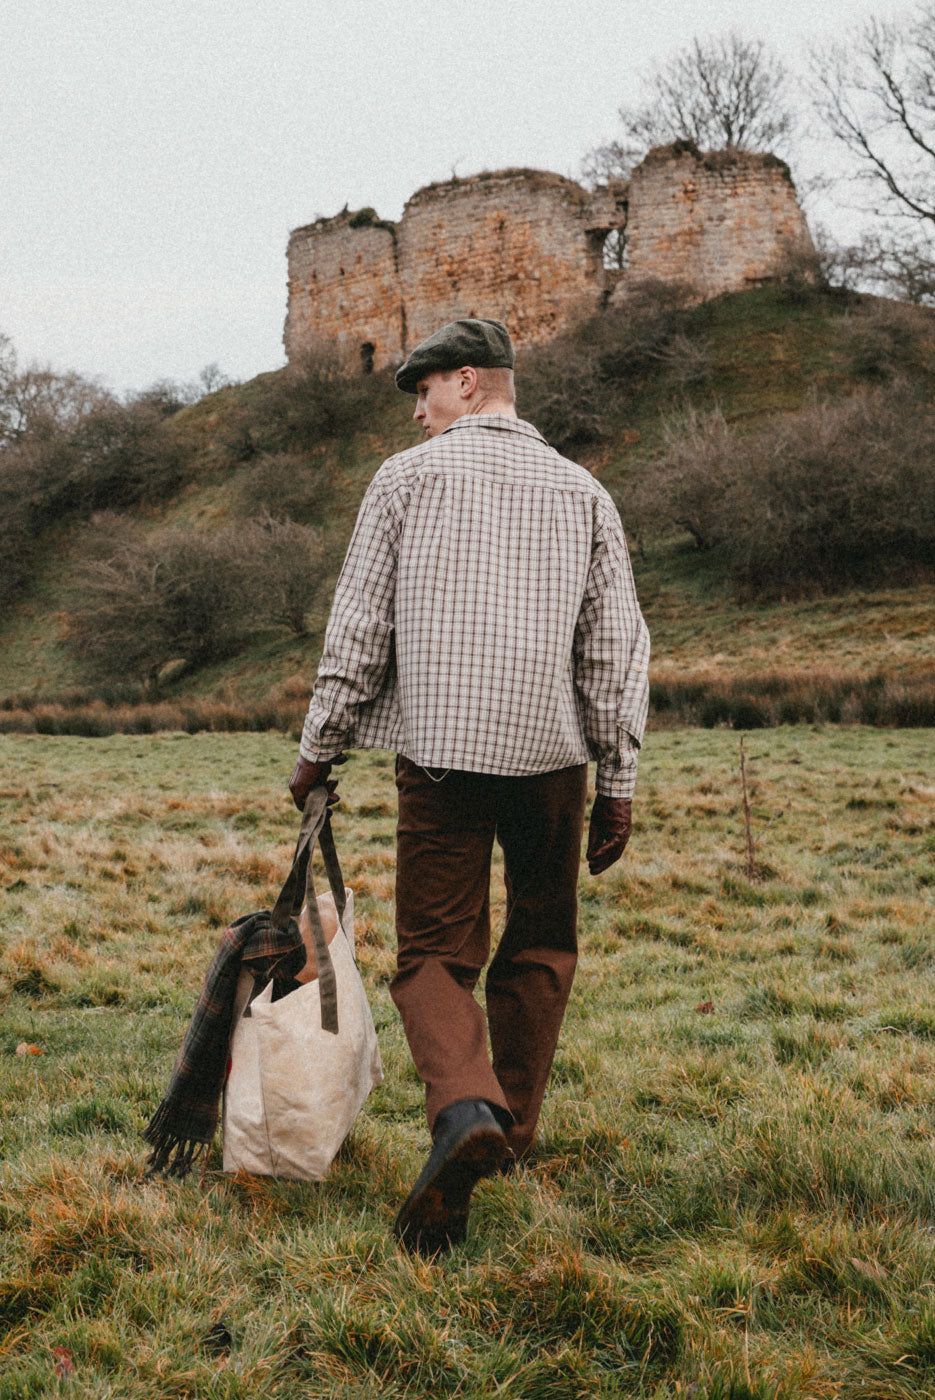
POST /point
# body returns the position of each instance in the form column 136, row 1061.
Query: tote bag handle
column 300, row 886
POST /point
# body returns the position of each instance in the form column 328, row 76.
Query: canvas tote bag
column 302, row 1066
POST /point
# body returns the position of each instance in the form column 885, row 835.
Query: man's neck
column 491, row 406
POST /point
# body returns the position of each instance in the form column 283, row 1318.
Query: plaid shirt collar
column 501, row 422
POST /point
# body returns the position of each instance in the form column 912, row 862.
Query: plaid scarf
column 184, row 1124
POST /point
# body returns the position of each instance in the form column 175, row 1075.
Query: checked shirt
column 485, row 617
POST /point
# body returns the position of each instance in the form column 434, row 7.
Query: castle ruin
column 536, row 250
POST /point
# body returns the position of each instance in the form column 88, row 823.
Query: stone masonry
column 528, row 247
column 721, row 221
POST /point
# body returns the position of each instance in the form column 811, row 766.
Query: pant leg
column 444, row 841
column 540, row 825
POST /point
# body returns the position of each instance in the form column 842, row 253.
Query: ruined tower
column 530, row 248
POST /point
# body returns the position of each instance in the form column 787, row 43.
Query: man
column 486, row 627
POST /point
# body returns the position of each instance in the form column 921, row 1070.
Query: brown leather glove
column 307, row 775
column 611, row 822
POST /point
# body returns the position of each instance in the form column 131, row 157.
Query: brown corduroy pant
column 447, row 826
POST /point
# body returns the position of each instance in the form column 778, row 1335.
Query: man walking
column 485, row 626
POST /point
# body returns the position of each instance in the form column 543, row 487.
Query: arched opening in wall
column 367, row 352
column 615, row 254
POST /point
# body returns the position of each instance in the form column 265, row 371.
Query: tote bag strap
column 300, row 886
column 332, row 868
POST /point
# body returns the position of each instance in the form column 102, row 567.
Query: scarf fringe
column 175, row 1150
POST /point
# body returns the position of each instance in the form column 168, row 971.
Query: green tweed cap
column 481, row 344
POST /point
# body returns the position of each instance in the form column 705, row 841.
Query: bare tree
column 612, row 161
column 876, row 93
column 721, row 92
column 212, row 378
column 287, row 568
column 167, row 396
column 7, row 357
column 886, row 263
column 38, row 400
column 905, row 269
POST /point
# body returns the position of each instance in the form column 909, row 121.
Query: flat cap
column 482, row 344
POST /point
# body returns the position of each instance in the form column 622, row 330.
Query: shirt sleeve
column 611, row 652
column 359, row 637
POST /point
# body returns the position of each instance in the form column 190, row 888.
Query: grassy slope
column 769, row 357
column 769, row 354
column 740, row 1195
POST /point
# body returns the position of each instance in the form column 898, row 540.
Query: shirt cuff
column 617, row 777
column 312, row 748
column 616, row 786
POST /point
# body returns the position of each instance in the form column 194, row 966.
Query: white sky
column 154, row 154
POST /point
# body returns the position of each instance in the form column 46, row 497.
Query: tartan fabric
column 184, row 1124
column 486, row 618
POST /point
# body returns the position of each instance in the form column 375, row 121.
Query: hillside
column 751, row 355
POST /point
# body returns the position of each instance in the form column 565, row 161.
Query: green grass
column 732, row 1202
column 768, row 353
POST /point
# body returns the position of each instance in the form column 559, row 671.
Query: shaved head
column 496, row 384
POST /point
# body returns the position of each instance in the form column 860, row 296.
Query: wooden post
column 752, row 872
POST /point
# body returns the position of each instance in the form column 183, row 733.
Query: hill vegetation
column 770, row 452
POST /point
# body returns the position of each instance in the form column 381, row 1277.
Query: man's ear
column 467, row 381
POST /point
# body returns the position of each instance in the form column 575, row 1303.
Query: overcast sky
column 156, row 153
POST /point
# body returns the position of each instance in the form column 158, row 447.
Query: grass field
column 734, row 1191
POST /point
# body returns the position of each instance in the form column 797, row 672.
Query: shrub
column 834, row 495
column 142, row 602
column 105, row 456
column 68, row 444
column 121, row 454
column 692, row 485
column 634, row 334
column 559, row 389
column 322, row 397
column 286, row 486
column 167, row 396
column 882, row 339
column 687, row 361
column 747, row 714
column 566, row 387
column 805, row 274
column 17, row 543
column 285, row 561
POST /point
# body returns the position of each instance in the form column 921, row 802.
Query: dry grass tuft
column 732, row 1192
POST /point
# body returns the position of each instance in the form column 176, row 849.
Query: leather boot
column 468, row 1144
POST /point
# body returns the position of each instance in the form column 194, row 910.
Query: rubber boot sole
column 435, row 1213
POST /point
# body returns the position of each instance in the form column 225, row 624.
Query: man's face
column 439, row 401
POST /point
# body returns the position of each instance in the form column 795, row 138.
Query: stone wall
column 344, row 287
column 720, row 220
column 508, row 245
column 526, row 247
